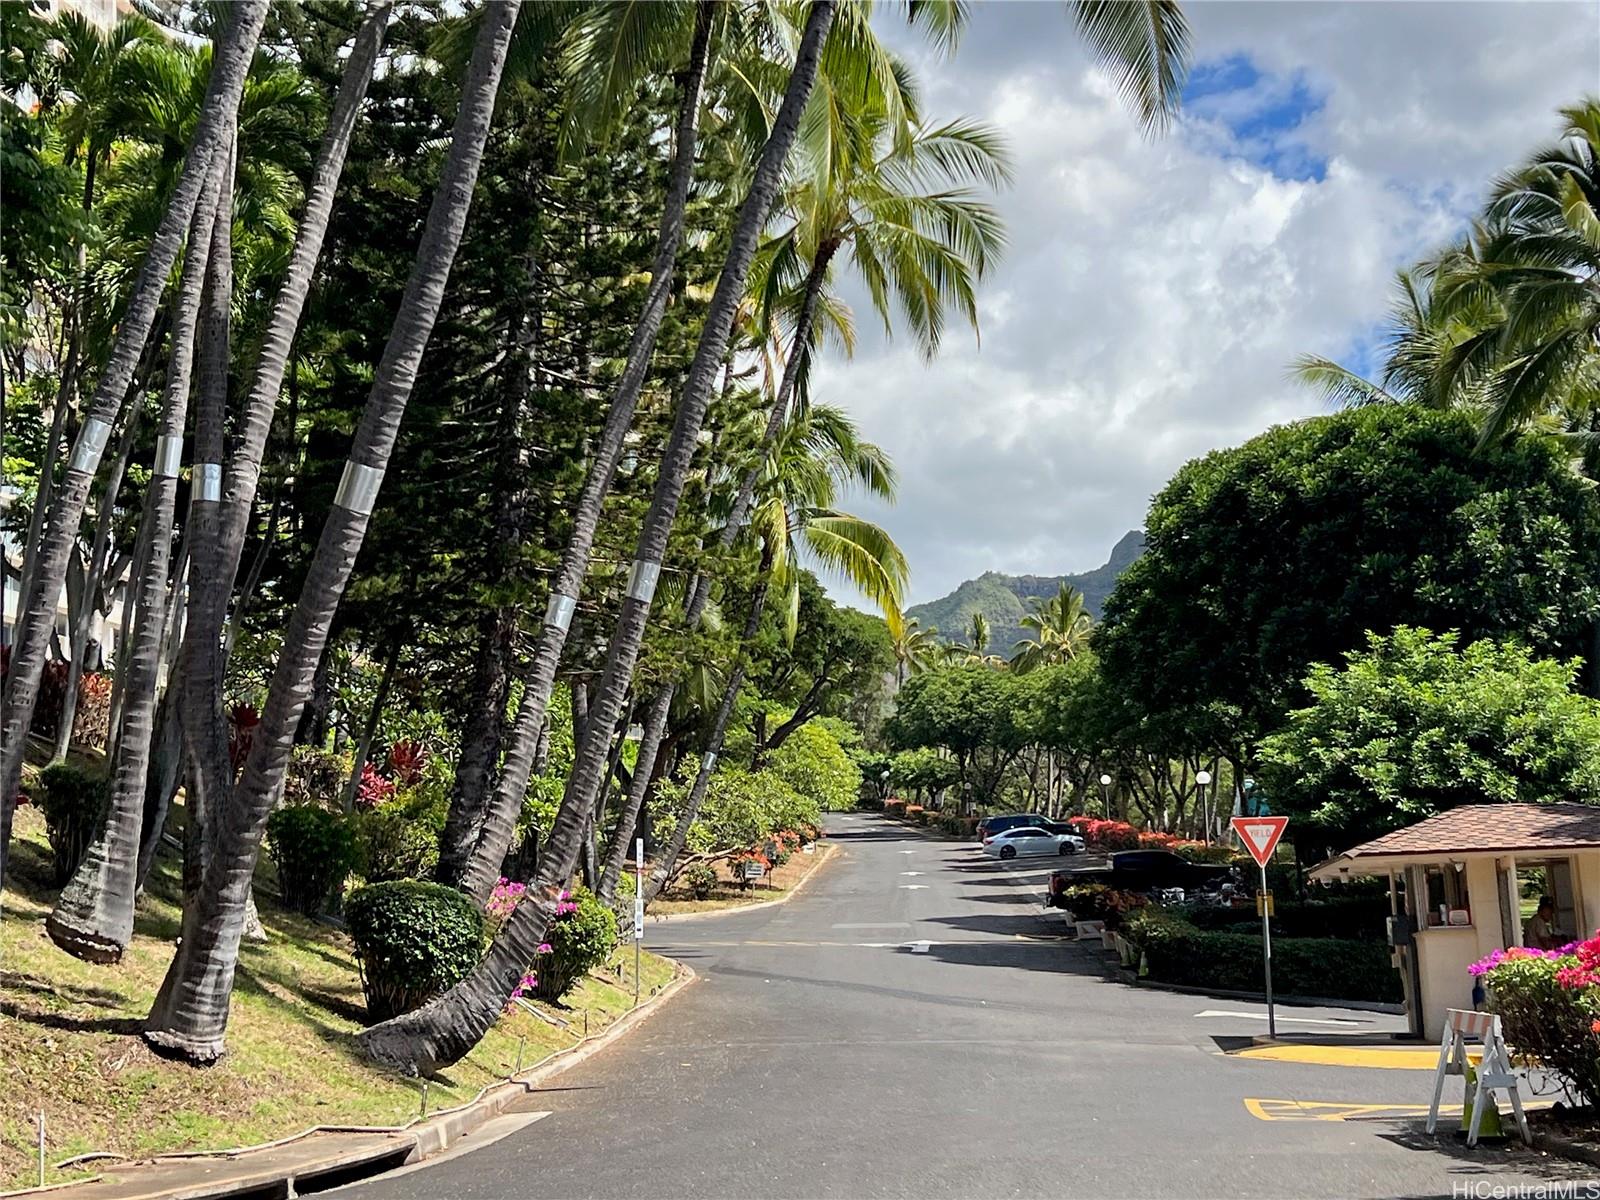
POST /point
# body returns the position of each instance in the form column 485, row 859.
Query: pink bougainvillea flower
column 545, row 948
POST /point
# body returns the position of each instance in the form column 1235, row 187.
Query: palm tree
column 448, row 1027
column 819, row 453
column 1061, row 629
column 915, row 649
column 36, row 616
column 93, row 918
column 478, row 831
column 191, row 1011
column 853, row 62
column 217, row 531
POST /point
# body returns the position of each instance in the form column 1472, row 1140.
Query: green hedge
column 1358, row 918
column 314, row 850
column 414, row 941
column 1174, row 951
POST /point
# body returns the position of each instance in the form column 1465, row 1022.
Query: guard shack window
column 1447, row 895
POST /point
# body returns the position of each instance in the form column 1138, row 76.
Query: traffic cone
column 1490, row 1126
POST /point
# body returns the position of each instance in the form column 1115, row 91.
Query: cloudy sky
column 1154, row 291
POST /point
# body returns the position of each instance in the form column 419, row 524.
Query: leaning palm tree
column 447, row 1028
column 854, row 64
column 36, row 615
column 93, row 918
column 190, row 1014
column 1061, row 628
column 819, row 454
column 217, row 529
column 478, row 828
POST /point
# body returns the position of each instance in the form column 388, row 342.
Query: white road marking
column 919, row 947
column 911, row 872
column 908, row 852
column 1213, row 1012
column 914, row 887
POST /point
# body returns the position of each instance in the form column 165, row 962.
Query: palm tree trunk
column 445, row 1029
column 190, row 1014
column 478, row 831
column 91, row 585
column 93, row 919
column 666, row 861
column 229, row 67
column 369, row 730
column 644, row 769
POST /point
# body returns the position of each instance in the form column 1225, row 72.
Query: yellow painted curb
column 1395, row 1058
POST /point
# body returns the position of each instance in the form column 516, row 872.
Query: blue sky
column 1156, row 290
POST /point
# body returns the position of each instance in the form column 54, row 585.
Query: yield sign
column 1260, row 835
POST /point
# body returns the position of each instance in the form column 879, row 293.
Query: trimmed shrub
column 894, row 807
column 579, row 938
column 1174, row 951
column 315, row 850
column 1199, row 852
column 1359, row 918
column 74, row 804
column 959, row 826
column 701, row 880
column 414, row 941
column 870, row 804
column 393, row 845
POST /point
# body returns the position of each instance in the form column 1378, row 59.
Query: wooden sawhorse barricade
column 1494, row 1069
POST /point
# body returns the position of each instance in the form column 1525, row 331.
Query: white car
column 1026, row 840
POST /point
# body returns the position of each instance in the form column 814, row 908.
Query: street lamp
column 885, row 788
column 1105, row 809
column 1204, row 780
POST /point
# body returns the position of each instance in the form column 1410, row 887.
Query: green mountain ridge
column 1005, row 599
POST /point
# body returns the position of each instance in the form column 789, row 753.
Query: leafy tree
column 1416, row 722
column 815, row 765
column 1283, row 552
column 971, row 711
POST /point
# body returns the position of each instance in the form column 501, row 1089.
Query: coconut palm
column 448, row 1027
column 915, row 649
column 1061, row 628
column 36, row 616
column 478, row 831
column 93, row 918
column 217, row 531
column 191, row 1011
column 854, row 63
column 819, row 453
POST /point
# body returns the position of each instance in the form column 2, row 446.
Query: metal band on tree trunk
column 642, row 580
column 169, row 455
column 709, row 764
column 558, row 611
column 92, row 439
column 208, row 477
column 358, row 488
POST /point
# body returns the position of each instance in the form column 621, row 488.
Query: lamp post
column 1204, row 780
column 1105, row 808
column 885, row 784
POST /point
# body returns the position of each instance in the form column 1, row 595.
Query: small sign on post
column 1260, row 836
column 638, row 912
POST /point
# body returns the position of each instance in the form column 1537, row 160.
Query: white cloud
column 1154, row 291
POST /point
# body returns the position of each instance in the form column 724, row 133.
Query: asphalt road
column 913, row 1024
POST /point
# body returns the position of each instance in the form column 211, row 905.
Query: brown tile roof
column 1508, row 827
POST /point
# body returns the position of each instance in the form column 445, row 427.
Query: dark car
column 1147, row 871
column 990, row 826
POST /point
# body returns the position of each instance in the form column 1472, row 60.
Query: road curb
column 1124, row 976
column 365, row 1152
column 824, row 854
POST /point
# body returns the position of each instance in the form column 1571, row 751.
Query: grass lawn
column 69, row 1043
column 728, row 894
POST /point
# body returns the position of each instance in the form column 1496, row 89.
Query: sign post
column 1260, row 837
column 638, row 912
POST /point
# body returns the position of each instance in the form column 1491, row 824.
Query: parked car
column 990, row 826
column 1030, row 840
column 1148, row 871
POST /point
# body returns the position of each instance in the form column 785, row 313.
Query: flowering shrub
column 1106, row 835
column 894, row 807
column 406, row 762
column 1096, row 902
column 503, row 900
column 242, row 722
column 581, row 936
column 1549, row 1006
column 374, row 788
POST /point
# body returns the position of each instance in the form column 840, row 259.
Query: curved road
column 914, row 1024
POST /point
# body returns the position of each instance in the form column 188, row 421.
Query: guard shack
column 1470, row 881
